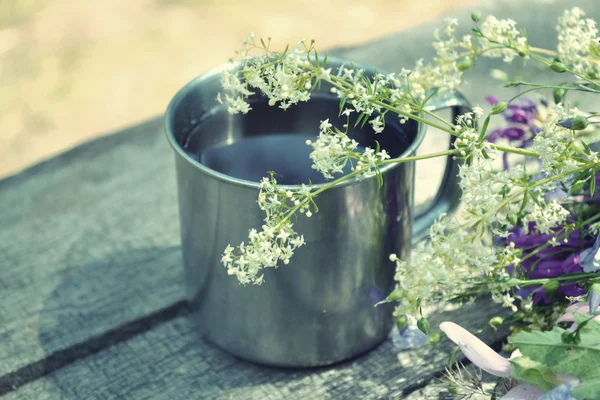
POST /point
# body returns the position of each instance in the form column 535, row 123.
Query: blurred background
column 71, row 70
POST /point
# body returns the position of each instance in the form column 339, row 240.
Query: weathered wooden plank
column 171, row 362
column 88, row 240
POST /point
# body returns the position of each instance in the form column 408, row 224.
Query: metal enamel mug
column 319, row 309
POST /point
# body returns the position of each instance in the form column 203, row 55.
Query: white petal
column 515, row 354
column 582, row 307
column 475, row 350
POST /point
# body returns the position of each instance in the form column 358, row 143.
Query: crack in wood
column 62, row 358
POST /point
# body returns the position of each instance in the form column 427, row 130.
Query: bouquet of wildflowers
column 528, row 231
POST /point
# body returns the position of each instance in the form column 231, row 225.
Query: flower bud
column 393, row 296
column 559, row 95
column 434, row 338
column 577, row 187
column 464, row 64
column 577, row 124
column 402, row 322
column 423, row 325
column 551, row 287
column 557, row 66
column 496, row 321
column 499, row 107
column 476, row 16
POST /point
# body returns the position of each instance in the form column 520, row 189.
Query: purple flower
column 523, row 128
column 570, row 290
column 582, row 307
column 493, row 100
column 510, row 133
column 550, row 262
column 520, row 115
column 571, row 264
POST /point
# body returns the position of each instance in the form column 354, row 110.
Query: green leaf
column 484, row 128
column 588, row 390
column 586, row 146
column 360, row 118
column 342, row 103
column 536, row 373
column 364, row 121
column 578, row 359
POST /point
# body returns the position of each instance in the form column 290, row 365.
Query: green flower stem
column 416, row 118
column 523, row 190
column 417, row 158
column 582, row 77
column 485, row 286
column 545, row 245
column 514, row 150
column 341, row 84
column 542, row 51
column 562, row 278
column 344, row 85
column 344, row 178
column 540, row 86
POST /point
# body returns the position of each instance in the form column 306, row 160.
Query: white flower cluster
column 287, row 82
column 485, row 190
column 277, row 240
column 444, row 74
column 577, row 40
column 333, row 150
column 505, row 33
column 468, row 142
column 546, row 216
column 364, row 93
column 441, row 265
column 554, row 143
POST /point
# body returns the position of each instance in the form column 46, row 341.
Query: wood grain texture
column 89, row 242
column 171, row 362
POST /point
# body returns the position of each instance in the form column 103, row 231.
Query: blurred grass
column 73, row 69
column 15, row 12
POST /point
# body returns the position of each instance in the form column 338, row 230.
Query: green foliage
column 581, row 359
column 423, row 325
column 534, row 372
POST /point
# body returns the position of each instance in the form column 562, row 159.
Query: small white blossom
column 505, row 33
column 377, row 124
column 576, row 36
column 331, row 151
column 546, row 216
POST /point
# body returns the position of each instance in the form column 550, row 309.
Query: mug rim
column 182, row 92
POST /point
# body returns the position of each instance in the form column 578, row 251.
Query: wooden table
column 92, row 285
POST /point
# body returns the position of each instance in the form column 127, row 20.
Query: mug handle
column 448, row 195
